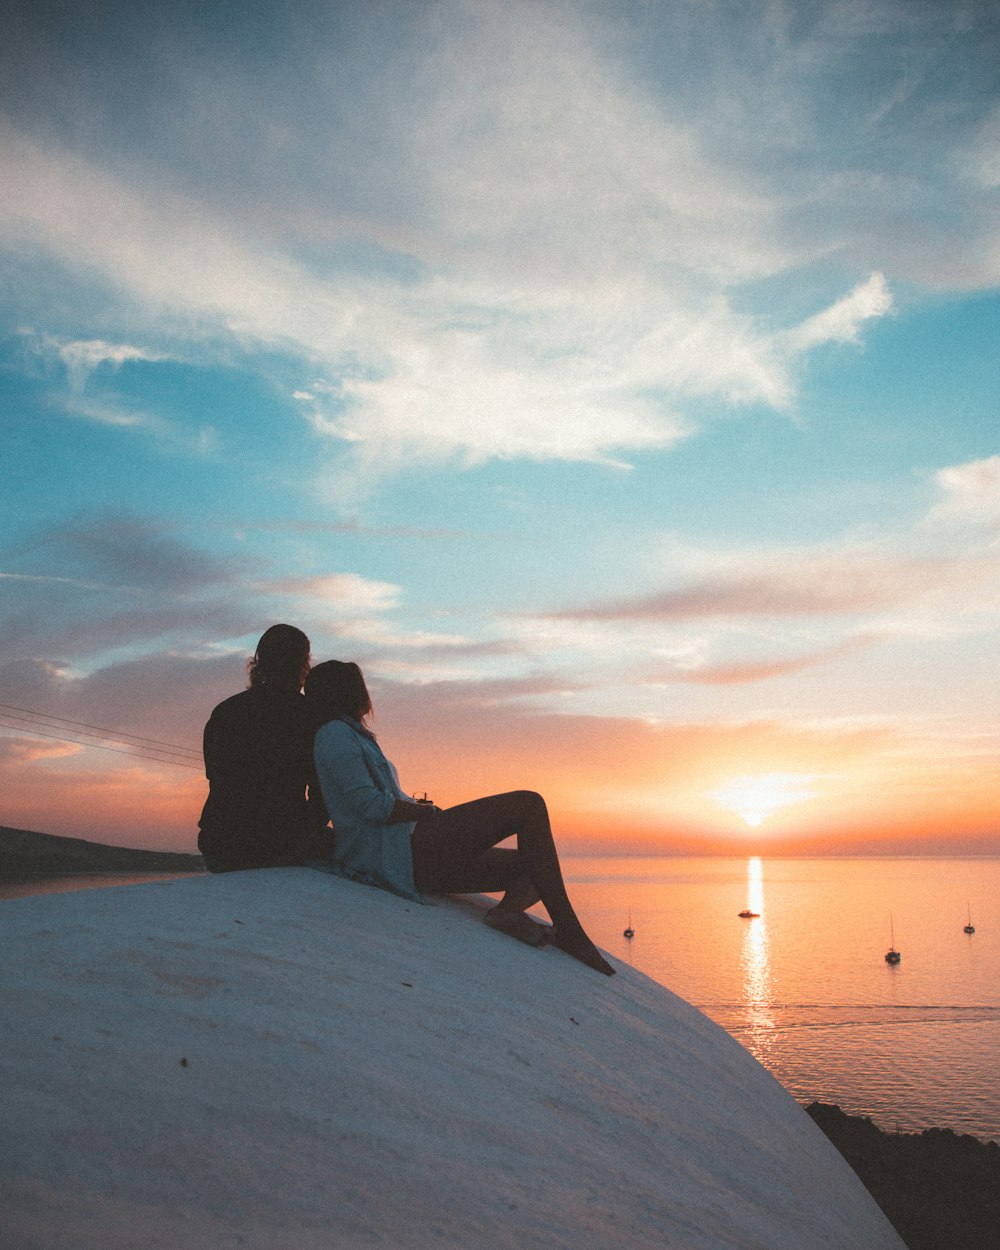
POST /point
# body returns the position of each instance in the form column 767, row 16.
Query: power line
column 97, row 746
column 27, row 726
column 43, row 725
column 101, row 730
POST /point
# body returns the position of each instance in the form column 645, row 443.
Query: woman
column 258, row 759
column 385, row 838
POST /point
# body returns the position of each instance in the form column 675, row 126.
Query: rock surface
column 940, row 1190
column 284, row 1060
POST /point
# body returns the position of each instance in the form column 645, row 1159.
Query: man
column 258, row 759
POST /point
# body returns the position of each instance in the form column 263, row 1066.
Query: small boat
column 747, row 914
column 892, row 956
column 629, row 932
column 970, row 927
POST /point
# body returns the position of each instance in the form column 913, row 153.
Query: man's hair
column 281, row 655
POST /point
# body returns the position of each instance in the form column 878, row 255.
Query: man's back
column 258, row 759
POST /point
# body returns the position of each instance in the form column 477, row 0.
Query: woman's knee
column 527, row 804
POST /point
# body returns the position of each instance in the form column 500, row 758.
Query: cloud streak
column 556, row 284
column 781, row 584
column 747, row 672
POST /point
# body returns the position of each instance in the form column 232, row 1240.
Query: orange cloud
column 27, row 750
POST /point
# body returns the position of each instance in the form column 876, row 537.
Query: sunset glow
column 754, row 799
column 618, row 389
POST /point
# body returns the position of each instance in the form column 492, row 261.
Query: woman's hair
column 337, row 688
column 282, row 655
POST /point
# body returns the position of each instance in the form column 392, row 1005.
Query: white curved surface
column 284, row 1060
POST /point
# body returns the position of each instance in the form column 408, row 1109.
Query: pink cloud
column 30, row 750
column 822, row 583
column 744, row 673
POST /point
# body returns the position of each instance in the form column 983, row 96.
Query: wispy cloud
column 782, row 583
column 745, row 672
column 83, row 356
column 15, row 750
column 133, row 552
column 108, row 581
column 853, row 577
column 842, row 321
column 343, row 594
column 571, row 252
column 969, row 494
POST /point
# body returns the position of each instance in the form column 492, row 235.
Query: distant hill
column 26, row 856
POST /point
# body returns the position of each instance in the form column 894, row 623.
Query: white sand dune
column 285, row 1060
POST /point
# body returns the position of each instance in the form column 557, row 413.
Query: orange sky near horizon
column 612, row 784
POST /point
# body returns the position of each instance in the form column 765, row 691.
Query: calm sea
column 805, row 986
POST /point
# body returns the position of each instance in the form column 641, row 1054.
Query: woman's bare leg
column 463, row 833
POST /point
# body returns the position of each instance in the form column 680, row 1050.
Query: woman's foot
column 516, row 925
column 582, row 948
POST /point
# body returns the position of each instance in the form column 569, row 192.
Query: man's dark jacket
column 258, row 759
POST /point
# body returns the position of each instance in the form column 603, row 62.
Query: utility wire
column 182, row 754
column 42, row 725
column 100, row 730
column 97, row 746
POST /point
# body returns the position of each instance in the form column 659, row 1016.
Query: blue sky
column 626, row 371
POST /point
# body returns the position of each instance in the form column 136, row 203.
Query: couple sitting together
column 283, row 765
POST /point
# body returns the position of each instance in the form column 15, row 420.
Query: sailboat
column 629, row 932
column 970, row 927
column 892, row 956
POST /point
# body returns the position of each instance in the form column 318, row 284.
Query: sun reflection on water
column 755, row 967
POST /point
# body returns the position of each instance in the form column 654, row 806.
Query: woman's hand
column 403, row 810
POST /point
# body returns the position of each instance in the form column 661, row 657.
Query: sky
column 616, row 383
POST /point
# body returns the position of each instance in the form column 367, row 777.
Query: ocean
column 804, row 986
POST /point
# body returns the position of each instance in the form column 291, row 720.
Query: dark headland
column 29, row 856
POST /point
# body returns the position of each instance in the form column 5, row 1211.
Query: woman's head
column 337, row 688
column 281, row 659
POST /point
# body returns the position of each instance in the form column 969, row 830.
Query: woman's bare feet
column 577, row 944
column 516, row 925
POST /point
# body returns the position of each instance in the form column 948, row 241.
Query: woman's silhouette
column 387, row 839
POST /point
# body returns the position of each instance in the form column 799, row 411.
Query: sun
column 755, row 798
